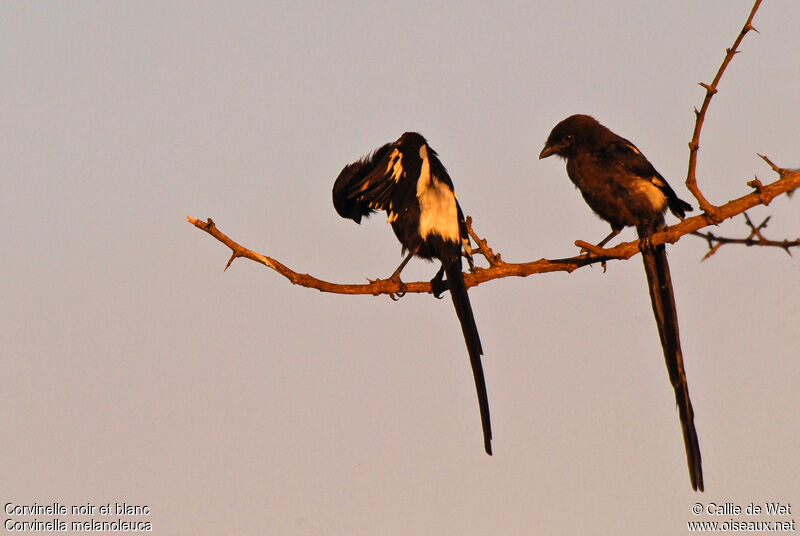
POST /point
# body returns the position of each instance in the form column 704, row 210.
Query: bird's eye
column 568, row 138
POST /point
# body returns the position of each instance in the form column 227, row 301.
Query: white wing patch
column 437, row 204
column 653, row 194
column 395, row 167
column 633, row 148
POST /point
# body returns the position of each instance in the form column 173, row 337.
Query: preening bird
column 623, row 188
column 407, row 180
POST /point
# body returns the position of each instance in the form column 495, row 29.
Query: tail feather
column 678, row 206
column 458, row 291
column 663, row 300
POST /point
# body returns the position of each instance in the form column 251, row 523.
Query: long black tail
column 458, row 291
column 663, row 299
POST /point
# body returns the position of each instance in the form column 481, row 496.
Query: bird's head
column 569, row 134
column 411, row 140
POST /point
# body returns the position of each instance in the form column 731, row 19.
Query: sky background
column 134, row 369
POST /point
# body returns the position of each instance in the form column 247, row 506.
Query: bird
column 622, row 187
column 406, row 179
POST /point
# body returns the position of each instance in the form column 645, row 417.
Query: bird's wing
column 365, row 186
column 370, row 184
column 631, row 158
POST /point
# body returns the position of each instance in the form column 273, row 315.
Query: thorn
column 779, row 170
column 755, row 184
column 712, row 251
column 710, row 90
column 233, row 256
column 696, row 112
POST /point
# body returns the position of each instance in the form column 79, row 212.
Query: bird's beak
column 548, row 150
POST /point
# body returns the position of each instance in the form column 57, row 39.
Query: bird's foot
column 395, row 278
column 439, row 287
column 402, row 286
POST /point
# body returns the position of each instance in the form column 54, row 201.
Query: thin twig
column 711, row 90
column 483, row 247
column 755, row 238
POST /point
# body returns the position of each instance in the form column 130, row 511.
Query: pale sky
column 134, row 369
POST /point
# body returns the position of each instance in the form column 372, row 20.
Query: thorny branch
column 755, row 238
column 700, row 115
column 712, row 215
column 497, row 267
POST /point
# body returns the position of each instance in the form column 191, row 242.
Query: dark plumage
column 623, row 188
column 408, row 181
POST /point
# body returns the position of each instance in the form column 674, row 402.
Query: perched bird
column 407, row 180
column 623, row 188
